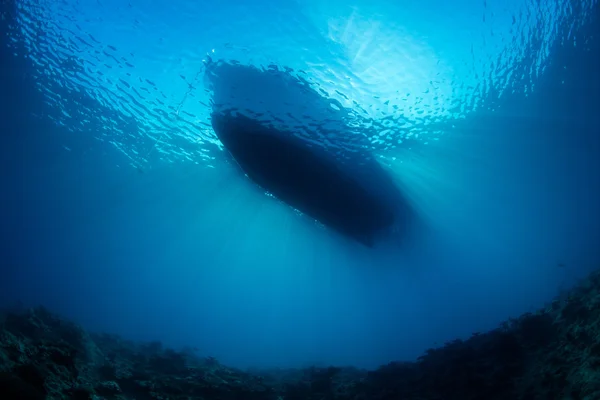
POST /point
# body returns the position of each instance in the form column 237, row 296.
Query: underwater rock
column 303, row 177
column 553, row 353
column 108, row 388
column 14, row 388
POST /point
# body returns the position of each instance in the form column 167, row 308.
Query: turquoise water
column 126, row 215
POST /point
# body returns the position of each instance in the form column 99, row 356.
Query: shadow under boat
column 346, row 190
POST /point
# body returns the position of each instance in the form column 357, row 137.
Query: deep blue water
column 120, row 208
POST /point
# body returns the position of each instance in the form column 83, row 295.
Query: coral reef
column 553, row 353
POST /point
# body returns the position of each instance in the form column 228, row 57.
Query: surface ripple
column 130, row 73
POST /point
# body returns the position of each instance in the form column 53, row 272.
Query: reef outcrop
column 553, row 353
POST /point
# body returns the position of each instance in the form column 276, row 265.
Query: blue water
column 122, row 211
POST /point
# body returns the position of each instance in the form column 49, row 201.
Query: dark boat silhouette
column 351, row 193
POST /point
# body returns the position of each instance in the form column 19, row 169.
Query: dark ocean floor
column 553, row 353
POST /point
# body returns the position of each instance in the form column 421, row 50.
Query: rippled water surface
column 401, row 71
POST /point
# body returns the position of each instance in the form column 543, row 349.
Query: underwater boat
column 303, row 177
column 254, row 116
